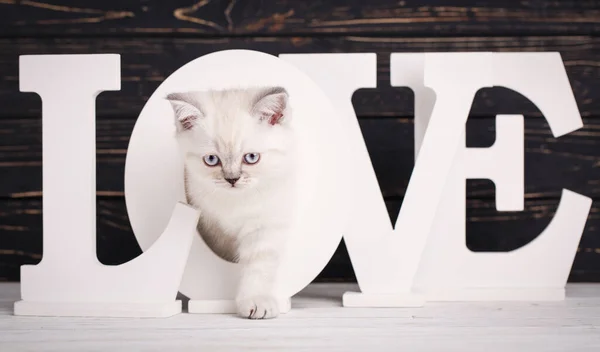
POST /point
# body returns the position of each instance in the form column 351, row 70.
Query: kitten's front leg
column 259, row 256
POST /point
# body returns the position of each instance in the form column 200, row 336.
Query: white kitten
column 238, row 149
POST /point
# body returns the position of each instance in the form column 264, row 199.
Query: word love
column 422, row 258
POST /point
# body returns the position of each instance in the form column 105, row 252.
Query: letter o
column 154, row 172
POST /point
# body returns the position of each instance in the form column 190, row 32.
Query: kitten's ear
column 186, row 113
column 270, row 105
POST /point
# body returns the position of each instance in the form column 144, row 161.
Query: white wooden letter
column 70, row 280
column 386, row 259
column 538, row 271
column 209, row 281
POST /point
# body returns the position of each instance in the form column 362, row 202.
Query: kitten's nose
column 232, row 180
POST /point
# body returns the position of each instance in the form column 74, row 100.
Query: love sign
column 422, row 258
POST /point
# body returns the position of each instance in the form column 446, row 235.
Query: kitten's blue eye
column 211, row 160
column 251, row 158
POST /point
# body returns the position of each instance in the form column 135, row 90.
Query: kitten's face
column 233, row 140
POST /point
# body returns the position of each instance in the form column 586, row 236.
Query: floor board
column 318, row 323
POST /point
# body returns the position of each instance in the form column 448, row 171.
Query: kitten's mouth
column 228, row 186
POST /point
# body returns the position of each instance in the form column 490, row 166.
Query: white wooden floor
column 318, row 323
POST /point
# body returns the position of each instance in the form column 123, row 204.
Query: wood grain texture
column 21, row 235
column 317, row 322
column 487, row 230
column 551, row 164
column 297, row 17
column 147, row 62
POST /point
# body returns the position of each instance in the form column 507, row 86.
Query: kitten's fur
column 246, row 222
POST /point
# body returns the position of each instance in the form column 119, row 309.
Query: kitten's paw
column 258, row 307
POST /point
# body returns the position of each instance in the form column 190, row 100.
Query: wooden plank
column 317, row 322
column 297, row 17
column 550, row 164
column 487, row 230
column 21, row 158
column 21, row 235
column 147, row 62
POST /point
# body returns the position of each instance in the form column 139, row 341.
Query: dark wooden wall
column 156, row 37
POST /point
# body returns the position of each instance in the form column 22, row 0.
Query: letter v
column 386, row 259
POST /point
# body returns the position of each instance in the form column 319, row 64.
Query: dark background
column 156, row 37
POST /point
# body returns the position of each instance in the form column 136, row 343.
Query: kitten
column 238, row 150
